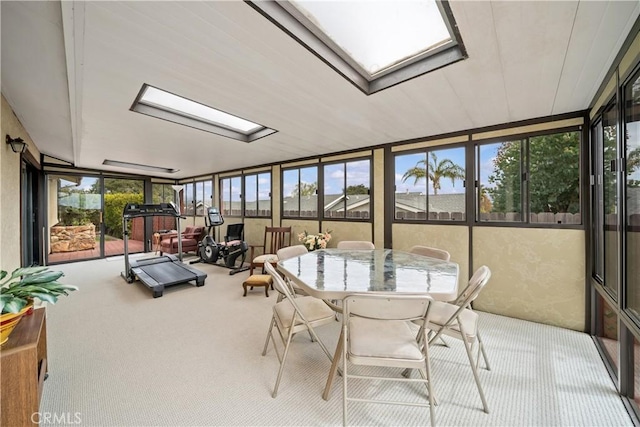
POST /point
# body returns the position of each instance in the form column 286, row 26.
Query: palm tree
column 437, row 170
column 304, row 189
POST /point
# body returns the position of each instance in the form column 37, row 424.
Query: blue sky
column 406, row 162
column 358, row 172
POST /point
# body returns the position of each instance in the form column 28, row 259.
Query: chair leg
column 344, row 380
column 432, row 399
column 314, row 337
column 282, row 362
column 269, row 336
column 467, row 347
column 334, row 367
column 484, row 353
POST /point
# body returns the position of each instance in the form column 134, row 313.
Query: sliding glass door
column 74, row 220
column 117, row 193
column 615, row 242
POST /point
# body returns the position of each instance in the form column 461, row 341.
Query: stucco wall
column 341, row 230
column 536, row 274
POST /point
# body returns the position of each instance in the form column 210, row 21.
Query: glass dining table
column 333, row 274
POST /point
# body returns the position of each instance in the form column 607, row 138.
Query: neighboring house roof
column 416, row 202
column 412, row 202
column 331, row 202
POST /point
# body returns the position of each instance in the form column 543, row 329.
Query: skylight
column 380, row 34
column 374, row 44
column 165, row 105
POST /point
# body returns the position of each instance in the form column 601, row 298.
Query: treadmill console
column 133, row 210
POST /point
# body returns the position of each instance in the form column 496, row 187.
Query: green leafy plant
column 24, row 284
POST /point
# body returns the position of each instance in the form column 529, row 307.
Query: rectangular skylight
column 374, row 44
column 379, row 34
column 168, row 106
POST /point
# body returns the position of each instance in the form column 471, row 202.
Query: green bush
column 76, row 216
column 114, row 204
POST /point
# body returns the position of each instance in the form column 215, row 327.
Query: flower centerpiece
column 314, row 241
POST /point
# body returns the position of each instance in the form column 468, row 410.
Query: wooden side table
column 23, row 364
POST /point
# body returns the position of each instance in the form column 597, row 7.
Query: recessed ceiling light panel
column 147, row 168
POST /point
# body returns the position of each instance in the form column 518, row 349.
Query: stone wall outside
column 71, row 238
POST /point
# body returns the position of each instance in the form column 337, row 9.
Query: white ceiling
column 71, row 70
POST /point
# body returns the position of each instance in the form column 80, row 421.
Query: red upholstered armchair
column 190, row 239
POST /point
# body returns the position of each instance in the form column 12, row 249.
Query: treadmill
column 158, row 272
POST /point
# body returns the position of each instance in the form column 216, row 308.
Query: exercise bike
column 230, row 254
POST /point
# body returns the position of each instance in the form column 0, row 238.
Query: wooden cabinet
column 23, row 364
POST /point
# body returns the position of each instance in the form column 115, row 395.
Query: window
column 204, row 197
column 500, row 185
column 346, row 190
column 230, row 196
column 167, row 106
column 300, row 192
column 554, row 178
column 610, row 197
column 257, row 195
column 375, row 45
column 533, row 180
column 189, row 205
column 632, row 189
column 597, row 207
column 162, row 193
column 430, row 185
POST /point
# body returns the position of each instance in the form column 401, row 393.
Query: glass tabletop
column 336, row 273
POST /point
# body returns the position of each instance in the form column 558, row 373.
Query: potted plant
column 18, row 290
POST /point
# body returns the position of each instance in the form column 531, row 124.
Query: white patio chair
column 292, row 315
column 458, row 321
column 290, row 252
column 463, row 299
column 377, row 331
column 430, row 252
column 355, row 244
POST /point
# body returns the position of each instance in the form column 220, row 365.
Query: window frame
column 323, row 181
column 523, row 172
column 243, row 195
column 185, row 209
column 164, row 187
column 203, row 196
column 626, row 227
column 222, row 201
column 283, row 170
column 525, row 178
column 428, row 219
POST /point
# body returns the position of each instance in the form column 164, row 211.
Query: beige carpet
column 119, row 357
